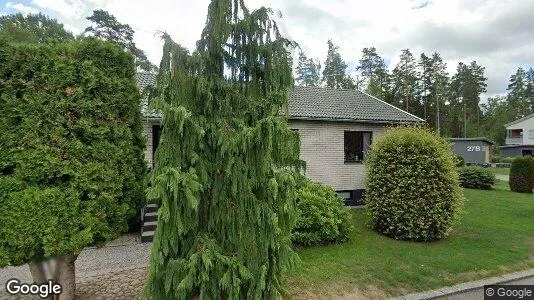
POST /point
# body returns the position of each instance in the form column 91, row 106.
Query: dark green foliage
column 32, row 28
column 334, row 72
column 412, row 184
column 507, row 160
column 71, row 149
column 522, row 175
column 223, row 176
column 477, row 178
column 460, row 161
column 307, row 71
column 105, row 26
column 323, row 217
column 374, row 69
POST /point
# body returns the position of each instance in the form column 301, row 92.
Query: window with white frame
column 531, row 134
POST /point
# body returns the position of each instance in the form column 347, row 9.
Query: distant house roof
column 145, row 79
column 484, row 139
column 326, row 104
column 520, row 120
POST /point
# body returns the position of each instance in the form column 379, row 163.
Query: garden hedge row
column 522, row 175
column 71, row 150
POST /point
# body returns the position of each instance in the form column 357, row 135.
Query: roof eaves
column 519, row 120
column 375, row 121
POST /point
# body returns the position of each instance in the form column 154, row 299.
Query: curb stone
column 468, row 286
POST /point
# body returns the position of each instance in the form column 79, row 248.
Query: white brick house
column 519, row 138
column 336, row 128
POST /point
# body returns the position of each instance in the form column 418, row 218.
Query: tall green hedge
column 71, row 149
column 522, row 175
column 412, row 184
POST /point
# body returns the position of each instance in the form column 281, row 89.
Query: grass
column 500, row 171
column 494, row 237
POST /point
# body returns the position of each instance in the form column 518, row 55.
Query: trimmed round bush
column 413, row 191
column 323, row 217
column 522, row 175
column 476, row 178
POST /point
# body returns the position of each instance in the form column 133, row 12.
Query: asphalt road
column 478, row 294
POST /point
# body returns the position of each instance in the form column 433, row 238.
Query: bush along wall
column 413, row 191
column 71, row 150
column 323, row 217
column 476, row 178
column 522, row 175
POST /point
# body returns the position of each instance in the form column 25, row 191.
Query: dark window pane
column 357, row 143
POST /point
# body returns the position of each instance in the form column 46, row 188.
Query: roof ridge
column 519, row 120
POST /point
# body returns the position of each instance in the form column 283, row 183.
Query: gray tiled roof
column 343, row 105
column 145, row 79
column 317, row 103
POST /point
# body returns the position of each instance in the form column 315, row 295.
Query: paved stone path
column 92, row 262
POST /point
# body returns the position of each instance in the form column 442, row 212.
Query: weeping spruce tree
column 224, row 169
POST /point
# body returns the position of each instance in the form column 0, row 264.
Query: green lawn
column 500, row 171
column 495, row 236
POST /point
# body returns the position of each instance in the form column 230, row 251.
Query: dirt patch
column 365, row 293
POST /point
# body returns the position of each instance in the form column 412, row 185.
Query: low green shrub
column 460, row 161
column 413, row 190
column 323, row 217
column 522, row 175
column 507, row 160
column 476, row 178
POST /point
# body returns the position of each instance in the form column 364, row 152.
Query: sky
column 498, row 34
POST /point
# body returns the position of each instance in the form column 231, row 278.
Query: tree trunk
column 67, row 277
column 37, row 271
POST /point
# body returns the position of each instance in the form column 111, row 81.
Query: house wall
column 515, row 151
column 527, row 125
column 148, row 134
column 322, row 147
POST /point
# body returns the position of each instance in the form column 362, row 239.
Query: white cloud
column 496, row 33
column 22, row 8
column 65, row 8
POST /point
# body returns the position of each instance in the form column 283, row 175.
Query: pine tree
column 466, row 86
column 105, row 26
column 405, row 80
column 425, row 82
column 373, row 68
column 307, row 71
column 334, row 72
column 223, row 173
column 518, row 90
column 530, row 89
column 437, row 89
